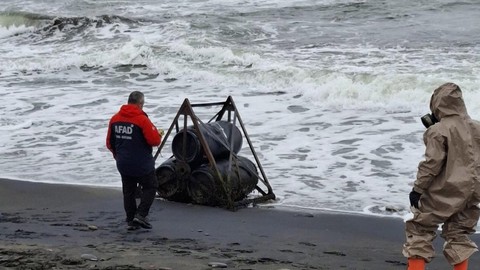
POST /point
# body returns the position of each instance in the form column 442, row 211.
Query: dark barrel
column 172, row 176
column 205, row 188
column 218, row 136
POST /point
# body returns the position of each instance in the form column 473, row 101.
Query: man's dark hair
column 136, row 97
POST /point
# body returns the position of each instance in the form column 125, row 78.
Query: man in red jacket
column 131, row 136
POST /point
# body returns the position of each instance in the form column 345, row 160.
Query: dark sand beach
column 53, row 226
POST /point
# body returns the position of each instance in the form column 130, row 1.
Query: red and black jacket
column 130, row 138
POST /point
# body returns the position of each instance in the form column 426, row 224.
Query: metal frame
column 228, row 107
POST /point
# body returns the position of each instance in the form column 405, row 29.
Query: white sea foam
column 13, row 30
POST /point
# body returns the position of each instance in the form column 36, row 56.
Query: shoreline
column 272, row 205
column 67, row 226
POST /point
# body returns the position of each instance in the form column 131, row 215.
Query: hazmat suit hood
column 447, row 100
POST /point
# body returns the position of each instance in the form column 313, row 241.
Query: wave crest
column 46, row 25
column 18, row 18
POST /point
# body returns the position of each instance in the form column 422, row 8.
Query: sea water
column 330, row 92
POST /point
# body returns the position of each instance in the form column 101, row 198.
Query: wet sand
column 54, row 226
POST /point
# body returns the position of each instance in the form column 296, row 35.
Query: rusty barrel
column 218, row 135
column 204, row 186
column 172, row 176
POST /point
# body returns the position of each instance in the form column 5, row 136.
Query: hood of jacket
column 130, row 110
column 447, row 100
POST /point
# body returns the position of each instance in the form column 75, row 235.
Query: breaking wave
column 40, row 26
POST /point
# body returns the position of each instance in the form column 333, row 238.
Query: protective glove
column 161, row 132
column 414, row 198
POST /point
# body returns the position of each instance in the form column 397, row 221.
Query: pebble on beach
column 217, row 265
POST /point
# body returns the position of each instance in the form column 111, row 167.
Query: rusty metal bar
column 265, row 180
column 213, row 163
column 164, row 139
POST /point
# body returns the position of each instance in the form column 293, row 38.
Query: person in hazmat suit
column 447, row 188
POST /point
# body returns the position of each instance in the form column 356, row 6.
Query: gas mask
column 428, row 120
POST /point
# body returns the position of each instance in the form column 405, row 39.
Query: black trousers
column 148, row 184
